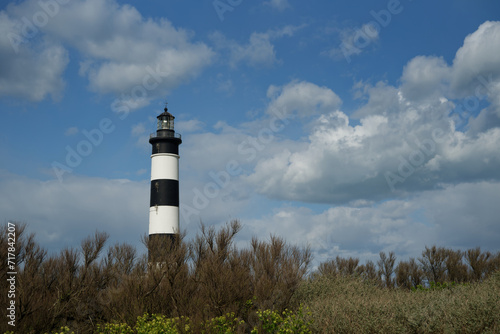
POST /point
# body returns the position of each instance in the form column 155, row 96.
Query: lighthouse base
column 160, row 246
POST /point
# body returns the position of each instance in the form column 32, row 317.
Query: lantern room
column 165, row 121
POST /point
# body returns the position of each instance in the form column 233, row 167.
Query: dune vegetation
column 208, row 285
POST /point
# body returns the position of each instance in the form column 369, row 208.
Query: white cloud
column 63, row 213
column 138, row 129
column 215, row 148
column 31, row 67
column 476, row 76
column 213, row 165
column 303, row 97
column 406, row 140
column 191, row 125
column 461, row 216
column 354, row 42
column 127, row 50
column 141, row 171
column 425, row 77
column 477, row 59
column 258, row 52
column 280, row 5
column 465, row 215
column 382, row 99
column 399, row 146
column 126, row 54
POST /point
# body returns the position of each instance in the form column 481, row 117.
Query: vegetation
column 207, row 285
column 340, row 304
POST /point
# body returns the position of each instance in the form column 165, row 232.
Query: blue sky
column 352, row 127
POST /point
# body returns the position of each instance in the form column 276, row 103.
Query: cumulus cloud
column 404, row 140
column 132, row 51
column 425, row 77
column 381, row 99
column 258, row 52
column 303, row 98
column 34, row 75
column 472, row 79
column 476, row 76
column 31, row 68
column 409, row 149
column 477, row 59
column 125, row 54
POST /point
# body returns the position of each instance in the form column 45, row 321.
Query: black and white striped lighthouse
column 164, row 200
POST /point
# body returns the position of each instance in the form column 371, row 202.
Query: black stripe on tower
column 165, row 142
column 164, row 192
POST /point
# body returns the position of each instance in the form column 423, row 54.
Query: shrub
column 351, row 305
column 225, row 324
column 114, row 328
column 156, row 324
column 287, row 322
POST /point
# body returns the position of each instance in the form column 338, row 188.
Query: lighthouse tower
column 164, row 200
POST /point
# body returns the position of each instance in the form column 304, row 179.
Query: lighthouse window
column 165, row 124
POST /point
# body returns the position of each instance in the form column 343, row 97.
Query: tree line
column 436, row 265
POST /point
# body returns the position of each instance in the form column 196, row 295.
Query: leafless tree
column 456, row 270
column 433, row 263
column 277, row 270
column 478, row 262
column 386, row 268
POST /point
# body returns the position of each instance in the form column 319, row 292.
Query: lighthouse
column 164, row 199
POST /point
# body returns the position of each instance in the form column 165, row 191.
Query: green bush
column 114, row 328
column 225, row 324
column 437, row 286
column 148, row 324
column 157, row 324
column 268, row 322
column 287, row 322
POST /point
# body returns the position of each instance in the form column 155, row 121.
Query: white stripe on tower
column 164, row 166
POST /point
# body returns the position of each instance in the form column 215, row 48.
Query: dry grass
column 340, row 304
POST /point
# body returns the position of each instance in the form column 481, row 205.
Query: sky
column 348, row 127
